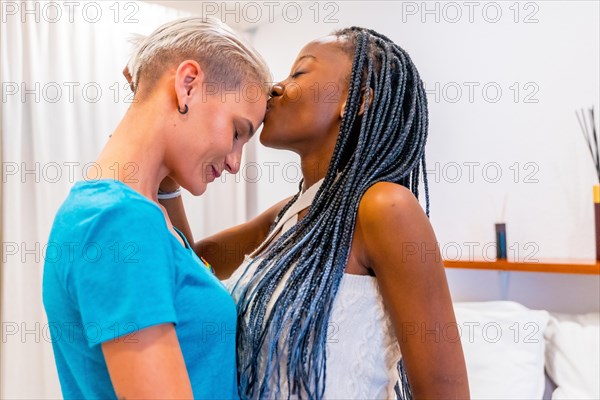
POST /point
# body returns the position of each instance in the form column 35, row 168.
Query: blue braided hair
column 384, row 144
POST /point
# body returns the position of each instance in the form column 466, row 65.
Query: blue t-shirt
column 112, row 267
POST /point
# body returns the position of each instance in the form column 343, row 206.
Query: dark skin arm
column 399, row 245
column 226, row 250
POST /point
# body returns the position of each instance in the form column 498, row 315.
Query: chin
column 268, row 140
column 198, row 189
column 267, row 135
column 264, row 140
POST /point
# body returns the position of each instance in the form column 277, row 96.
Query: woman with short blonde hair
column 164, row 326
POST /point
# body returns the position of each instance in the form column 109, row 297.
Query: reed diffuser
column 500, row 227
column 587, row 124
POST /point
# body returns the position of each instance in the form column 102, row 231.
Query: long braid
column 385, row 144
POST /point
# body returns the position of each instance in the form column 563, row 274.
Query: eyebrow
column 306, row 56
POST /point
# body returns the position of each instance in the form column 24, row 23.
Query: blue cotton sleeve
column 122, row 274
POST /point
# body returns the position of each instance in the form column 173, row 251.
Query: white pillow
column 503, row 343
column 573, row 355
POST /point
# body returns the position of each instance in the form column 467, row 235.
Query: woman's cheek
column 294, row 93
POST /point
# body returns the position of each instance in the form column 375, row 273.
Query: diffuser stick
column 583, row 124
column 593, row 129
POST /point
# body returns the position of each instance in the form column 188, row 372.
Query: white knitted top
column 362, row 350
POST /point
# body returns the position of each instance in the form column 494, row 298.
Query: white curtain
column 63, row 94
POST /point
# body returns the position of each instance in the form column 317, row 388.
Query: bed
column 513, row 352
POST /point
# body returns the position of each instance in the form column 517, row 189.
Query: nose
column 232, row 161
column 276, row 90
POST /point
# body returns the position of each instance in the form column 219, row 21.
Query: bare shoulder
column 385, row 203
column 391, row 224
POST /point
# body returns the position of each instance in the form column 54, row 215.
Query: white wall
column 48, row 47
column 549, row 210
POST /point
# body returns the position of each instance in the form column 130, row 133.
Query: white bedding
column 504, row 347
column 513, row 352
column 573, row 355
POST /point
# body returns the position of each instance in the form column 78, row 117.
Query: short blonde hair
column 225, row 57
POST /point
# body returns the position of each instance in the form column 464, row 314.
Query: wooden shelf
column 590, row 267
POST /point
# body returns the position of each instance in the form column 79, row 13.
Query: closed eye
column 297, row 74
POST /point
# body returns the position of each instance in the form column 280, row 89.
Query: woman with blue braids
column 345, row 295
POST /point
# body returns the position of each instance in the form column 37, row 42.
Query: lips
column 215, row 172
column 269, row 110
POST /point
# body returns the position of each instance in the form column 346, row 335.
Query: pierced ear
column 187, row 78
